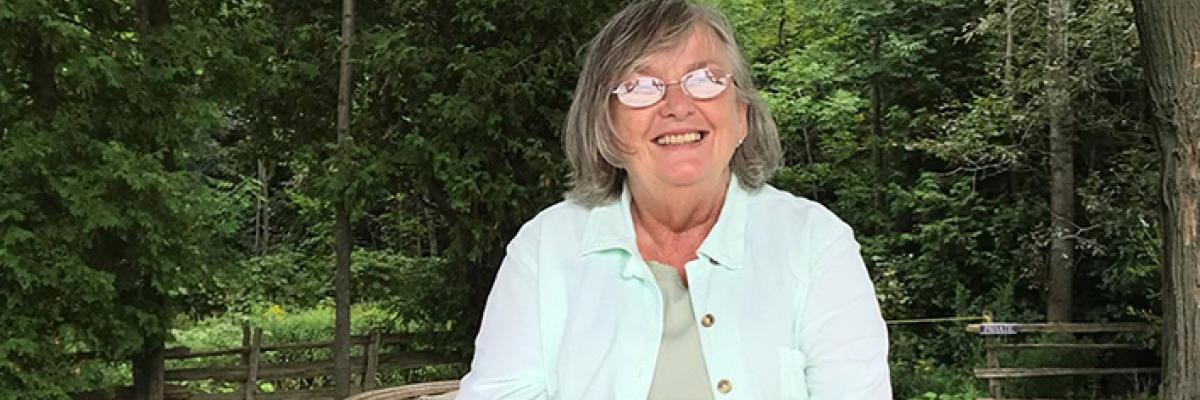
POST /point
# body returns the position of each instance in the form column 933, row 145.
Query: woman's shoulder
column 794, row 228
column 563, row 219
column 780, row 208
column 563, row 213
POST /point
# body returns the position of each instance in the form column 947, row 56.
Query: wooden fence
column 993, row 344
column 250, row 368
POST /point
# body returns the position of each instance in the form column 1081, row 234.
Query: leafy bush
column 916, row 370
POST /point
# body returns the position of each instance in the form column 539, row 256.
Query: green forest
column 170, row 172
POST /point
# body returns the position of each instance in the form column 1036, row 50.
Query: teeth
column 679, row 138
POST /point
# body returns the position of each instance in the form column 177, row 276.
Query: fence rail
column 994, row 373
column 250, row 368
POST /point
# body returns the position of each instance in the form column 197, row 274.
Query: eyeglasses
column 701, row 84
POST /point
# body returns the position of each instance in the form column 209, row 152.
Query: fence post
column 989, row 343
column 251, row 385
column 368, row 378
column 245, row 351
column 245, row 344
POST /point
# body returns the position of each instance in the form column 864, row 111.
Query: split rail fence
column 251, row 369
column 996, row 340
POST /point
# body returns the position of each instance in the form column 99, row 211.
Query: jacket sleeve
column 842, row 335
column 508, row 356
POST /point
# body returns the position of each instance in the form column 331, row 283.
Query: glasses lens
column 705, row 83
column 640, row 92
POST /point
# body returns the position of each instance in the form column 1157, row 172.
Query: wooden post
column 251, row 385
column 245, row 344
column 245, row 350
column 992, row 362
column 368, row 379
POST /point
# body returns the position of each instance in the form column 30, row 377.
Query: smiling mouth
column 680, row 138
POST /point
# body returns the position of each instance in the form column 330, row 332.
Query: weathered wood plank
column 391, row 338
column 304, row 369
column 243, row 351
column 368, row 377
column 408, row 391
column 250, row 387
column 1065, row 346
column 1075, row 327
column 994, row 385
column 1003, row 373
column 293, row 394
column 170, row 392
column 180, row 353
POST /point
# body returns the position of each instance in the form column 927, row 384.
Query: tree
column 341, row 341
column 1170, row 34
column 964, row 226
column 1061, row 268
column 148, row 365
column 106, row 222
column 466, row 109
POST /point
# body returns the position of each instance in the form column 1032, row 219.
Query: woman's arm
column 508, row 356
column 842, row 335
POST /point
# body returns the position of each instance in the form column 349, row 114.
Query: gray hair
column 641, row 29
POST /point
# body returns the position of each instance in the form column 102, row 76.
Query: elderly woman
column 673, row 271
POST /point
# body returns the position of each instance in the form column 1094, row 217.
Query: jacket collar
column 610, row 226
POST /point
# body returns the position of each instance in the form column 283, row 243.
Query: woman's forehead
column 647, row 69
column 698, row 48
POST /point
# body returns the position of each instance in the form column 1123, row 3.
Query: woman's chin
column 686, row 177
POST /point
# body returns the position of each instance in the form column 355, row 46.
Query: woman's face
column 665, row 150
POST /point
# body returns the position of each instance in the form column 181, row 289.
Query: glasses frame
column 663, row 93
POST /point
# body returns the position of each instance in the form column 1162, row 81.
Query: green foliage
column 108, row 223
column 281, row 324
column 414, row 287
column 947, row 187
column 469, row 73
column 129, row 160
column 929, row 361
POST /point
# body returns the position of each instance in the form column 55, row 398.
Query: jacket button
column 708, row 320
column 724, row 386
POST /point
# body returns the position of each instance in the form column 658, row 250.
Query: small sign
column 997, row 329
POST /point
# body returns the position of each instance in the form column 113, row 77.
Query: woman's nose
column 676, row 103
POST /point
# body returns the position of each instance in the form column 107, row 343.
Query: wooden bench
column 993, row 344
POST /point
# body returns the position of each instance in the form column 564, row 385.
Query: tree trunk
column 1170, row 40
column 1010, row 8
column 1062, row 166
column 781, row 34
column 431, row 229
column 148, row 365
column 1010, row 83
column 262, row 211
column 43, row 62
column 341, row 337
column 258, row 213
column 152, row 15
column 148, row 371
column 877, row 140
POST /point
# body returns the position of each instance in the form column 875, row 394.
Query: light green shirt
column 680, row 372
column 575, row 312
